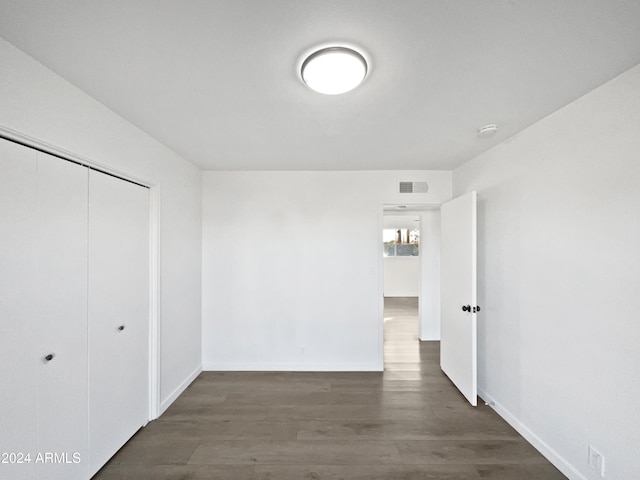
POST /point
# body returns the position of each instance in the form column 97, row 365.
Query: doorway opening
column 411, row 282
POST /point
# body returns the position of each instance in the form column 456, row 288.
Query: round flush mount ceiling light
column 334, row 70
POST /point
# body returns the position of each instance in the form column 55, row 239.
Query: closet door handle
column 121, row 327
column 49, row 357
column 466, row 308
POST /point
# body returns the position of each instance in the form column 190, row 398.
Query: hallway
column 407, row 423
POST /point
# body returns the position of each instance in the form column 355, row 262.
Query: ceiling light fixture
column 334, row 70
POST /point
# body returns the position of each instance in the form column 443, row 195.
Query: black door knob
column 466, row 308
column 49, row 357
column 121, row 327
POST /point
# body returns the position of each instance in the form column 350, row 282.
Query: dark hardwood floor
column 407, row 423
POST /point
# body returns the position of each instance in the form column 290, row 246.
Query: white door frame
column 154, row 301
column 154, row 248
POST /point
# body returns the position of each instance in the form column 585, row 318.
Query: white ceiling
column 217, row 80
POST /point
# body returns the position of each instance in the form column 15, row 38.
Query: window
column 401, row 242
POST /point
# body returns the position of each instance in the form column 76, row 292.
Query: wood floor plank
column 250, row 452
column 364, row 472
column 155, row 451
column 219, row 430
column 214, row 413
column 519, row 472
column 475, row 452
column 177, row 472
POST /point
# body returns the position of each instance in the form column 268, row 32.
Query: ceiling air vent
column 413, row 187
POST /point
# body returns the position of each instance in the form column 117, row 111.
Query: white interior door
column 458, row 351
column 118, row 314
column 61, row 294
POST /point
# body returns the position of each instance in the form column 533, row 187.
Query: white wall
column 430, row 275
column 36, row 103
column 401, row 276
column 559, row 277
column 292, row 262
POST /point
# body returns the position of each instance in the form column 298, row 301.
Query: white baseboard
column 292, row 367
column 539, row 444
column 166, row 403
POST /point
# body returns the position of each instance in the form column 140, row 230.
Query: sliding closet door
column 19, row 356
column 61, row 292
column 43, row 316
column 118, row 313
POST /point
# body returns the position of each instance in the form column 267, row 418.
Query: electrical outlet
column 596, row 461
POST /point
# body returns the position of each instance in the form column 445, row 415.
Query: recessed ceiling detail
column 334, row 70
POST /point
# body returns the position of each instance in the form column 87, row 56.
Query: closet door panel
column 61, row 291
column 118, row 313
column 19, row 357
